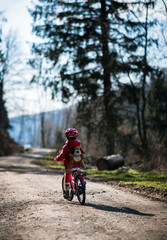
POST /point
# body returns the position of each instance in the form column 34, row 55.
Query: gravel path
column 32, row 207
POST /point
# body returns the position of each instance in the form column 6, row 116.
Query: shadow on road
column 26, row 170
column 120, row 210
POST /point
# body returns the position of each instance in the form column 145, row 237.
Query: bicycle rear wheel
column 71, row 194
column 80, row 190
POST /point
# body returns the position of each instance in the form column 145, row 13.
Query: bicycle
column 77, row 185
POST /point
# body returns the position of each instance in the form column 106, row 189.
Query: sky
column 24, row 98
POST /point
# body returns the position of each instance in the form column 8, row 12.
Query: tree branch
column 165, row 5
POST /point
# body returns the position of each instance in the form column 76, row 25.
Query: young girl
column 71, row 135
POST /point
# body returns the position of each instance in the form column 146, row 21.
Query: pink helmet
column 71, row 132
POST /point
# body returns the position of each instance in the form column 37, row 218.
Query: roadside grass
column 127, row 175
column 154, row 179
column 47, row 161
column 27, row 150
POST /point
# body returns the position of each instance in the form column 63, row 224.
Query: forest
column 109, row 60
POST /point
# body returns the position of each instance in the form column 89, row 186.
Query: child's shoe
column 66, row 194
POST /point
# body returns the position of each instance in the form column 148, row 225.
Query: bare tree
column 11, row 65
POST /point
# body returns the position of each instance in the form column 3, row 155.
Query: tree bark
column 43, row 129
column 110, row 162
column 106, row 80
column 144, row 83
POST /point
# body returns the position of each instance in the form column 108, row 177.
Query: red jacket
column 64, row 155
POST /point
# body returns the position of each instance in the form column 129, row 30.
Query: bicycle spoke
column 80, row 190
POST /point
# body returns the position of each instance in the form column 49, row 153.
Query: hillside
column 7, row 145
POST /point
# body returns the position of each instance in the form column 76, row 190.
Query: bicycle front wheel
column 71, row 194
column 80, row 190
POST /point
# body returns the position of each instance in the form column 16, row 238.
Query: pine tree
column 92, row 45
column 157, row 103
column 81, row 41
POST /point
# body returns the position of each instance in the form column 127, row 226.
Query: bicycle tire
column 71, row 194
column 80, row 190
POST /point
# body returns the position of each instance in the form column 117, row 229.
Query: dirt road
column 32, row 208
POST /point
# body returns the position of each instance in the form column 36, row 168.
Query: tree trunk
column 144, row 85
column 106, row 80
column 43, row 129
column 1, row 105
column 4, row 121
column 110, row 162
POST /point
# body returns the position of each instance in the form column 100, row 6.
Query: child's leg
column 67, row 184
column 67, row 179
column 67, row 174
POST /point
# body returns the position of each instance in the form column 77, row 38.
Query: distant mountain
column 26, row 129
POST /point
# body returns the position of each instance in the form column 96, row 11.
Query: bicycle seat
column 75, row 169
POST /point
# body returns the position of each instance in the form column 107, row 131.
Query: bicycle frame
column 75, row 172
column 78, row 185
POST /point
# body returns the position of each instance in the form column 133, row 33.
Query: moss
column 149, row 178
